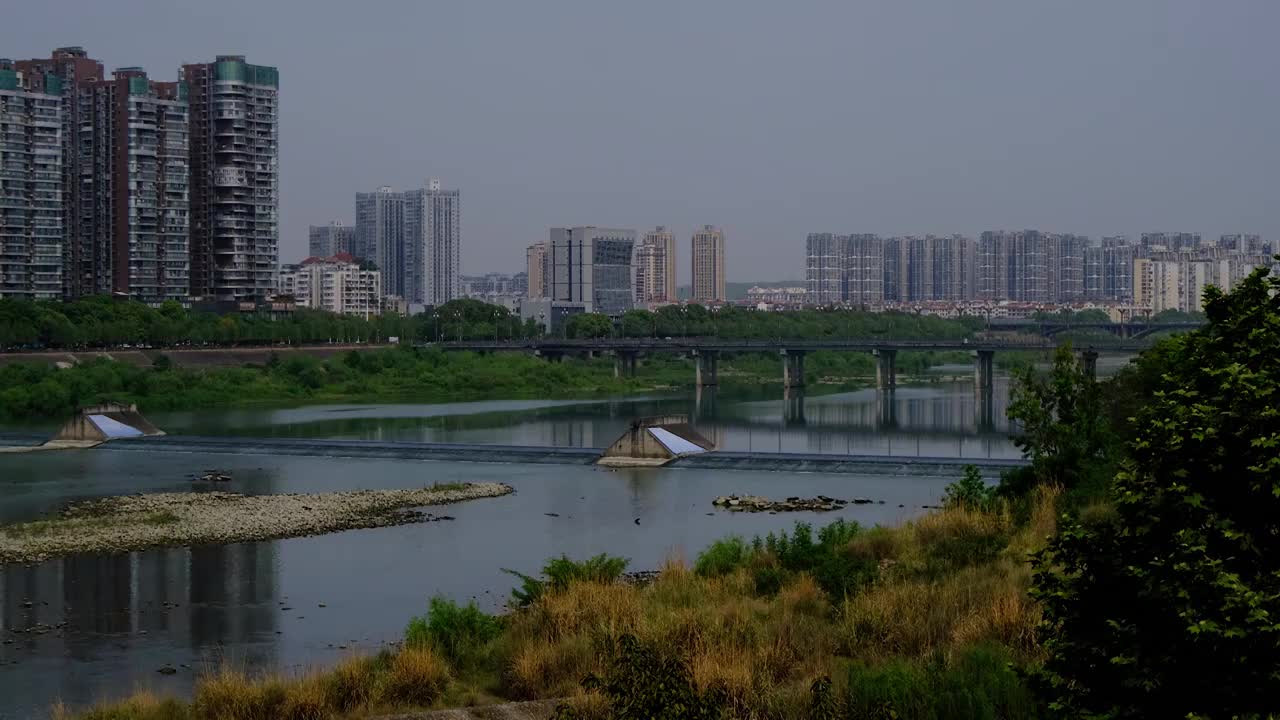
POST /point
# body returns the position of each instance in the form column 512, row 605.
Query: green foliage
column 1170, row 607
column 1063, row 423
column 977, row 684
column 589, row 325
column 722, row 557
column 559, row 572
column 457, row 632
column 970, row 491
column 645, row 684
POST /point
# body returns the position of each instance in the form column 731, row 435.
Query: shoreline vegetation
column 136, row 522
column 940, row 602
column 31, row 391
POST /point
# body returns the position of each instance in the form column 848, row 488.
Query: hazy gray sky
column 771, row 119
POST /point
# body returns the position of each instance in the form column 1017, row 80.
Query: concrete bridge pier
column 984, row 411
column 704, row 401
column 1089, row 362
column 887, row 410
column 792, row 368
column 886, row 369
column 624, row 363
column 984, row 372
column 707, row 364
column 793, row 406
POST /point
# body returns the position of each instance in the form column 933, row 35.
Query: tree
column 1172, row 609
column 589, row 325
column 1064, row 426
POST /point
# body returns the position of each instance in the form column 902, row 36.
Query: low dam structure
column 655, row 441
column 109, row 421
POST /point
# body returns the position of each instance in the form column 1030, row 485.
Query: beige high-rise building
column 708, row 265
column 655, row 267
column 536, row 269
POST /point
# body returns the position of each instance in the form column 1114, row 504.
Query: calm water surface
column 259, row 604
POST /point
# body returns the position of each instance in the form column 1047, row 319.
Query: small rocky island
column 755, row 503
column 136, row 522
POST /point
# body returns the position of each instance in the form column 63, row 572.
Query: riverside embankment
column 136, row 522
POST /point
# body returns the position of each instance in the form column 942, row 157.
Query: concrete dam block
column 654, row 441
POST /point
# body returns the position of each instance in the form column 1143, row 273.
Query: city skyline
column 947, row 134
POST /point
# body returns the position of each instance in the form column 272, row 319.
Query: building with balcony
column 333, row 239
column 535, row 258
column 234, row 177
column 335, row 284
column 31, row 184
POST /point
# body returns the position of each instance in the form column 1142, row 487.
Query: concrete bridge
column 1132, row 329
column 706, row 353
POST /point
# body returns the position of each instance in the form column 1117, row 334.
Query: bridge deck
column 801, row 345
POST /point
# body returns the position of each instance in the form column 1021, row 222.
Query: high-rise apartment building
column 126, row 168
column 845, row 269
column 825, row 282
column 655, row 267
column 31, row 184
column 332, row 239
column 234, row 177
column 1244, row 243
column 433, row 244
column 591, row 266
column 708, row 265
column 137, row 204
column 535, row 257
column 380, row 233
column 414, row 238
column 1108, row 270
column 85, row 266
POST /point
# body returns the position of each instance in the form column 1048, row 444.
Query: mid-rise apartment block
column 591, row 266
column 708, row 265
column 655, row 267
column 234, row 155
column 333, row 239
column 535, row 257
column 334, row 284
column 31, row 184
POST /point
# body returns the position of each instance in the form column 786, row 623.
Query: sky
column 769, row 119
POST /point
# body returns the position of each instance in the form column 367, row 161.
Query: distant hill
column 738, row 290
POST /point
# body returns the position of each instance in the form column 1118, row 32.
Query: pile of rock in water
column 212, row 476
column 755, row 503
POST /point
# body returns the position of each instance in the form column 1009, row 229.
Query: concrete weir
column 655, row 441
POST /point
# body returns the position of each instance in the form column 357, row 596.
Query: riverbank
column 929, row 619
column 136, row 522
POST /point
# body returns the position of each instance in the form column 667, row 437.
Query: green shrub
column 457, row 632
column 644, row 683
column 722, row 557
column 970, row 491
column 560, row 572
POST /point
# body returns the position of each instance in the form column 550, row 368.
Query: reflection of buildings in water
column 195, row 597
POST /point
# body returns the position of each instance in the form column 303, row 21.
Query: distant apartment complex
column 235, row 189
column 333, row 239
column 708, row 265
column 32, row 191
column 335, row 284
column 1029, row 267
column 415, row 239
column 655, row 268
column 591, row 266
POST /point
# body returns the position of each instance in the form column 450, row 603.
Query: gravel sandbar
column 135, row 522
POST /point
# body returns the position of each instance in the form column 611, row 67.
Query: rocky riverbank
column 755, row 503
column 136, row 522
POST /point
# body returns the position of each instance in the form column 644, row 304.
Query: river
column 287, row 605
